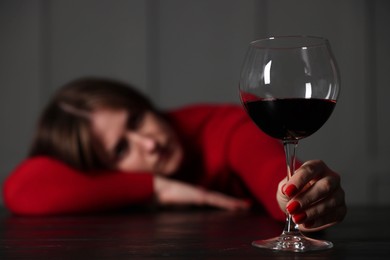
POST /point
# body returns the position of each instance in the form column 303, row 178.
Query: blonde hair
column 64, row 131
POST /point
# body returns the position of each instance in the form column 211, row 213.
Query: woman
column 102, row 145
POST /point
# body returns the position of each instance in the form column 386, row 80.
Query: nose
column 148, row 143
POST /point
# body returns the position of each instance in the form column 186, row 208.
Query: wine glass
column 289, row 86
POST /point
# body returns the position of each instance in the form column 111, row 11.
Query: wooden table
column 182, row 234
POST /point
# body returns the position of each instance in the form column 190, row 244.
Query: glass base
column 293, row 242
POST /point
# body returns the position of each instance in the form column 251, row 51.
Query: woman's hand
column 175, row 193
column 313, row 196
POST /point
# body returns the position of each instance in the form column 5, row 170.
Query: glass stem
column 290, row 149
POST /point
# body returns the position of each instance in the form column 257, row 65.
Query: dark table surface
column 183, row 234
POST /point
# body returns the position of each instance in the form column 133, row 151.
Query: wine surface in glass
column 290, row 118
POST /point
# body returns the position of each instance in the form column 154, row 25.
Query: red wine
column 290, row 118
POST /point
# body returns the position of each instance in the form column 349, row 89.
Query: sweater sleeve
column 44, row 186
column 232, row 143
column 259, row 160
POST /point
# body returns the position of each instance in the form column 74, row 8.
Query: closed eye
column 121, row 149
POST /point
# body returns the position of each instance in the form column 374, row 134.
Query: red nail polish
column 291, row 190
column 299, row 218
column 293, row 207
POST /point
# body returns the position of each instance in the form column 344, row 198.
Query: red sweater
column 224, row 151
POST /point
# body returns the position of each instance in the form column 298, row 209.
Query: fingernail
column 291, row 190
column 293, row 207
column 300, row 217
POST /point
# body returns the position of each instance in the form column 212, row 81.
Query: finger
column 225, row 202
column 282, row 198
column 305, row 176
column 327, row 206
column 320, row 190
column 282, row 185
column 331, row 209
column 330, row 219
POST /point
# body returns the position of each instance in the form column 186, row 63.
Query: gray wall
column 181, row 52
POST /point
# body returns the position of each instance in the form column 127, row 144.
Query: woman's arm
column 176, row 193
column 260, row 162
column 44, row 186
column 231, row 143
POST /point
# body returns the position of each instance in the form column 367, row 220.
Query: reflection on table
column 182, row 234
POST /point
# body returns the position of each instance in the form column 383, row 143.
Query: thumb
column 281, row 197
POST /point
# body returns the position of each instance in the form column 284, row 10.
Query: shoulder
column 202, row 107
column 199, row 113
column 39, row 162
column 209, row 123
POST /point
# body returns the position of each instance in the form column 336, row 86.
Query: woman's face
column 137, row 142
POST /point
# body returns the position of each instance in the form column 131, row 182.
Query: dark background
column 180, row 52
